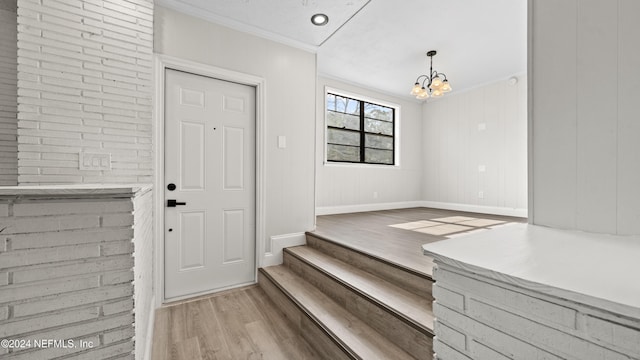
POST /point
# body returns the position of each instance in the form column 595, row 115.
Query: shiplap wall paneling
column 490, row 154
column 628, row 164
column 472, row 113
column 555, row 113
column 430, row 158
column 475, row 142
column 596, row 136
column 586, row 162
column 516, row 172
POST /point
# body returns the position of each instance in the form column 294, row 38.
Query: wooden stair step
column 355, row 337
column 410, row 307
column 408, row 279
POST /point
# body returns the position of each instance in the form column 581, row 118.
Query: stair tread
column 412, row 307
column 353, row 332
column 409, row 258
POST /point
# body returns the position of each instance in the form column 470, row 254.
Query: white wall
column 289, row 74
column 454, row 148
column 8, row 94
column 586, row 154
column 350, row 187
column 84, row 85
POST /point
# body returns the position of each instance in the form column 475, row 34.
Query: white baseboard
column 152, row 319
column 477, row 208
column 343, row 209
column 279, row 242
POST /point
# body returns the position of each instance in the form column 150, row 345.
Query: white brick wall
column 67, row 271
column 84, row 85
column 143, row 270
column 8, row 94
column 479, row 318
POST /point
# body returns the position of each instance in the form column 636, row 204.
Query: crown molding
column 235, row 25
column 397, row 96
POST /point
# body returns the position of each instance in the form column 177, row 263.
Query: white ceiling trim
column 235, row 25
column 481, row 85
column 371, row 89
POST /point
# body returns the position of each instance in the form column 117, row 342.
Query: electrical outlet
column 480, row 194
column 482, row 168
column 282, row 142
column 375, row 194
column 92, row 161
column 482, row 127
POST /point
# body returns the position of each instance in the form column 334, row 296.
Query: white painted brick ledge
column 525, row 292
column 593, row 269
column 76, row 190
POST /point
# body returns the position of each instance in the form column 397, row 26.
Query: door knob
column 174, row 203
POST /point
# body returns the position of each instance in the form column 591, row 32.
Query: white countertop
column 593, row 269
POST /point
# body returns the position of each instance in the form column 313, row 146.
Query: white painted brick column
column 84, row 88
column 143, row 273
column 68, row 271
column 8, row 94
column 530, row 292
column 481, row 318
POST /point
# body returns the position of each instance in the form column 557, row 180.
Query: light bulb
column 445, row 86
column 436, row 83
column 319, row 19
column 423, row 94
column 437, row 93
column 416, row 89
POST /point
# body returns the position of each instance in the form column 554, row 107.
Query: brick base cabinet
column 75, row 262
column 531, row 293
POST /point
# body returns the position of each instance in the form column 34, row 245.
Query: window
column 359, row 131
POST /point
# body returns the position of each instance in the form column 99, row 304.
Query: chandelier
column 435, row 84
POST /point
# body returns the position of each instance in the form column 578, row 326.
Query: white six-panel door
column 210, row 158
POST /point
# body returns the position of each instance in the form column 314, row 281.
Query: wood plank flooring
column 245, row 324
column 237, row 324
column 352, row 331
column 409, row 305
column 371, row 232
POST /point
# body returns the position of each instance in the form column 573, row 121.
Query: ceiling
column 382, row 44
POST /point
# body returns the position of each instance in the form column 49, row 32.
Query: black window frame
column 362, row 132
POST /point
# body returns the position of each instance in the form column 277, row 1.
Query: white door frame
column 163, row 62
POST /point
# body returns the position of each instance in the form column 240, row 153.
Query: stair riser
column 411, row 282
column 309, row 330
column 415, row 342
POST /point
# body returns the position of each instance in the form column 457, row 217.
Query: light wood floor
column 371, row 232
column 245, row 324
column 238, row 324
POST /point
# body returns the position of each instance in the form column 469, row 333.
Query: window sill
column 359, row 165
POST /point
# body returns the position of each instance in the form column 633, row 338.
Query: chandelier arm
column 418, row 79
column 425, row 79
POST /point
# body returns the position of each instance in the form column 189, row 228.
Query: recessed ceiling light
column 319, row 19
